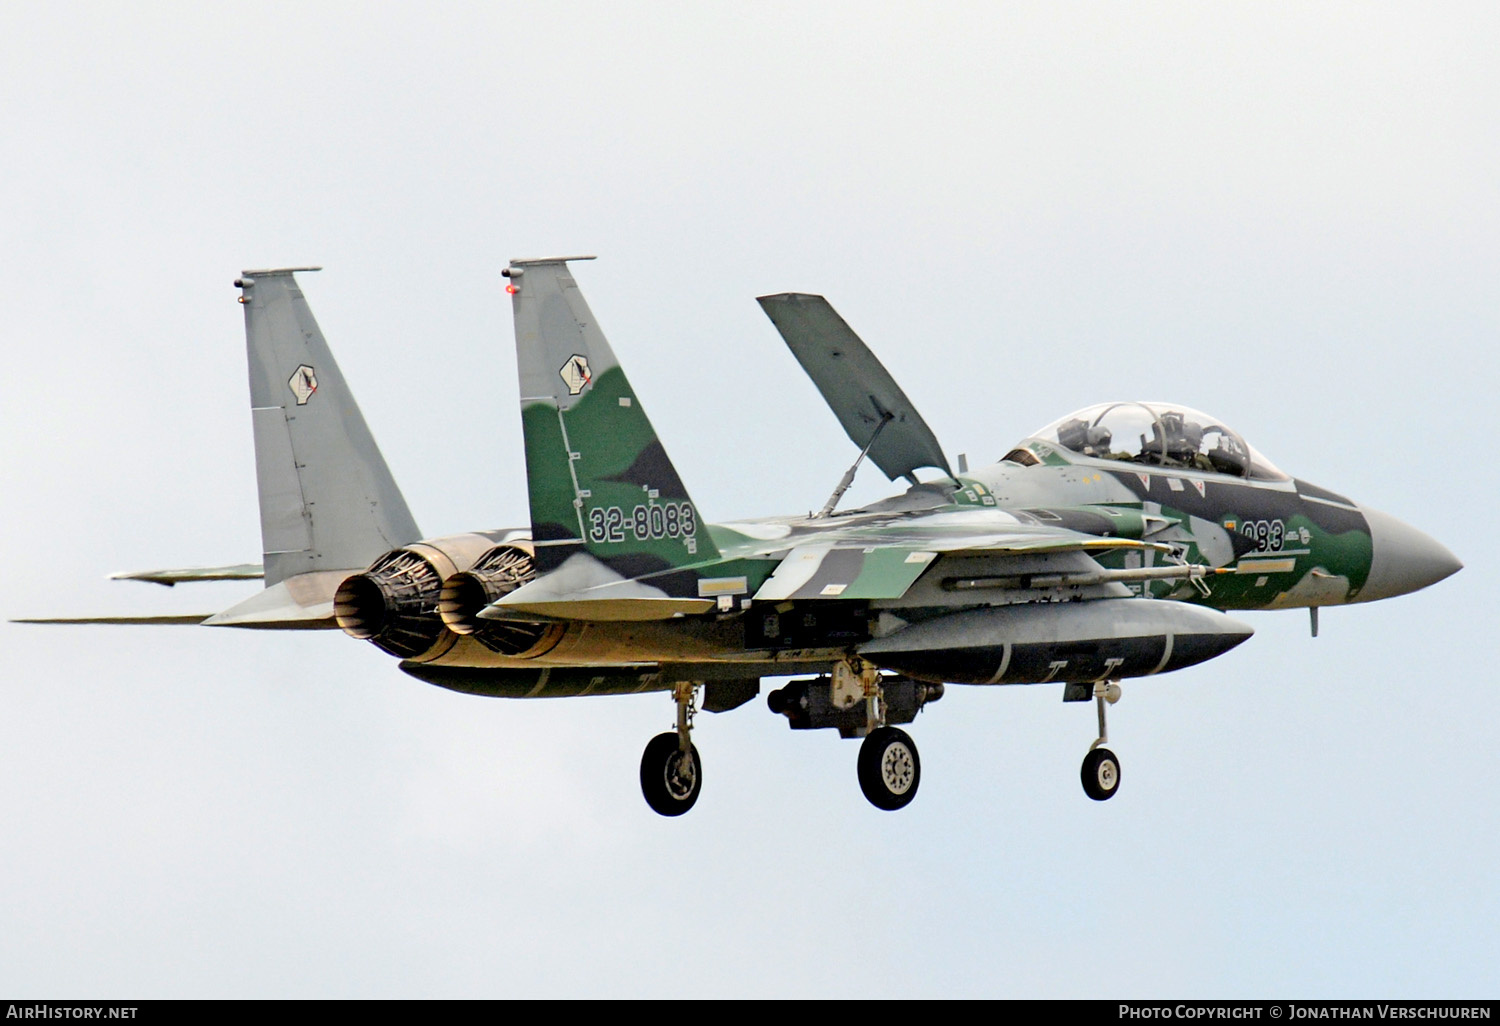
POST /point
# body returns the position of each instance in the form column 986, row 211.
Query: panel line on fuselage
column 541, row 682
column 1328, row 502
column 1166, row 655
column 1004, row 664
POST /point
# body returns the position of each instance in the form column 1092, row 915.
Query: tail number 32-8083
column 664, row 520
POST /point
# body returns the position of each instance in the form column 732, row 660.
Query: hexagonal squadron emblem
column 303, row 384
column 575, row 373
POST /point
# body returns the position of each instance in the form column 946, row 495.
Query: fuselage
column 1272, row 544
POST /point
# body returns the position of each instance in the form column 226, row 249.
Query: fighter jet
column 1109, row 544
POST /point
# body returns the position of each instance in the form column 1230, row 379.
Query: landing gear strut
column 857, row 700
column 889, row 768
column 1101, row 768
column 671, row 772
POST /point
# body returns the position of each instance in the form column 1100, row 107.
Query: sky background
column 1283, row 214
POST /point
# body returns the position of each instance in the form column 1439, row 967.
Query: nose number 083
column 1269, row 535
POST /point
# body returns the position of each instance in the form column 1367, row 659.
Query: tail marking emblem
column 575, row 373
column 303, row 384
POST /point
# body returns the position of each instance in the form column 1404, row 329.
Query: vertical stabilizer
column 600, row 481
column 327, row 498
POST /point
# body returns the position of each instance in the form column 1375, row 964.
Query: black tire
column 889, row 769
column 670, row 783
column 1101, row 774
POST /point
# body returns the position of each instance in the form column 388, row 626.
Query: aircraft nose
column 1404, row 559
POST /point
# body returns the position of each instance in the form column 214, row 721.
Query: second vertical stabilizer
column 327, row 498
column 600, row 482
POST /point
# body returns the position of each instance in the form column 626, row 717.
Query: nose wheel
column 1101, row 774
column 1101, row 767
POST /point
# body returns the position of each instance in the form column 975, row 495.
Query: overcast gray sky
column 1283, row 214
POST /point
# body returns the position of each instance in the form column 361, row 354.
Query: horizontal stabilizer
column 300, row 603
column 585, row 588
column 303, row 602
column 179, row 619
column 860, row 391
column 188, row 575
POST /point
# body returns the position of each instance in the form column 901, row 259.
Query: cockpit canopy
column 1160, row 435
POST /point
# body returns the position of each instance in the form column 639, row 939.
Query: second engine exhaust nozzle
column 497, row 573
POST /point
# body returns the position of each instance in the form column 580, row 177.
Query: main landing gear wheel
column 889, row 770
column 1101, row 774
column 670, row 780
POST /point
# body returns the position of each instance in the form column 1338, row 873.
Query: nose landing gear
column 1101, row 767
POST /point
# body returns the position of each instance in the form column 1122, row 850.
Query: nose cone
column 1404, row 558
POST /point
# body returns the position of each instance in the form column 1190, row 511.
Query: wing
column 189, row 575
column 884, row 563
column 860, row 391
column 872, row 560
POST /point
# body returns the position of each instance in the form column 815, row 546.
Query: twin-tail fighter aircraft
column 1107, row 545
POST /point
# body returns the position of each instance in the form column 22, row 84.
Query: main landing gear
column 857, row 700
column 1101, row 767
column 671, row 772
column 889, row 769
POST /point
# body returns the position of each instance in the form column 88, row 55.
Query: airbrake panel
column 860, row 391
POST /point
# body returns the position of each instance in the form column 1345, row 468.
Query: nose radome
column 1404, row 559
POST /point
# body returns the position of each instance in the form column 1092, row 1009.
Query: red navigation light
column 512, row 289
